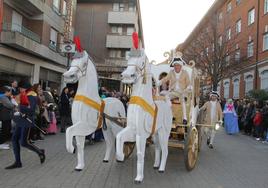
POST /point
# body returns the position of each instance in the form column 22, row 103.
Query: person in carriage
column 179, row 83
column 213, row 114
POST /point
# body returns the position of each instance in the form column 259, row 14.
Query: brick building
column 246, row 23
column 105, row 28
column 31, row 34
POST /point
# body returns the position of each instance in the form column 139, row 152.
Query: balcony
column 118, row 41
column 31, row 7
column 23, row 39
column 122, row 17
column 112, row 65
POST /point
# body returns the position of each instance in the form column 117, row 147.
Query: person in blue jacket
column 27, row 104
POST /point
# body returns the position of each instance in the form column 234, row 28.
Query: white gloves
column 13, row 101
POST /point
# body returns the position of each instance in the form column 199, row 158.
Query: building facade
column 31, row 35
column 105, row 28
column 247, row 27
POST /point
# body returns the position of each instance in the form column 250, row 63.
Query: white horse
column 139, row 120
column 85, row 111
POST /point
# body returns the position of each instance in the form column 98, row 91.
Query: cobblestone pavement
column 236, row 162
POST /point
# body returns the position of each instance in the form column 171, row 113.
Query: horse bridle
column 141, row 70
column 83, row 72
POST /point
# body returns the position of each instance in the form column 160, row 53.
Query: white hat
column 177, row 61
column 214, row 93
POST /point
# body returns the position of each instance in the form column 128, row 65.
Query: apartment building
column 105, row 28
column 245, row 23
column 31, row 34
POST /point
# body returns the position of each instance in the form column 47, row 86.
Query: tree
column 260, row 95
column 216, row 49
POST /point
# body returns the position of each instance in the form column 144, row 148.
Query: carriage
column 187, row 137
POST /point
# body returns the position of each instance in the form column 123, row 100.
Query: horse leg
column 69, row 137
column 109, row 141
column 127, row 134
column 141, row 144
column 80, row 143
column 157, row 151
column 163, row 140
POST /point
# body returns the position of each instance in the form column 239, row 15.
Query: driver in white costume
column 179, row 84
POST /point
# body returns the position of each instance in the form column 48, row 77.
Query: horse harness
column 100, row 108
column 146, row 107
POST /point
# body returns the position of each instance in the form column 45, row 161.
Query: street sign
column 68, row 48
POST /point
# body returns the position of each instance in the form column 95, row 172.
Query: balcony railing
column 23, row 30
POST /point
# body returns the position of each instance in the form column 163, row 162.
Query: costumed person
column 230, row 118
column 52, row 127
column 179, row 83
column 24, row 119
column 65, row 108
column 213, row 115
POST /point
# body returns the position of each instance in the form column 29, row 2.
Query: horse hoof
column 137, row 182
column 105, row 161
column 78, row 169
column 161, row 171
column 156, row 167
column 119, row 161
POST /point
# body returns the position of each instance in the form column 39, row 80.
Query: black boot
column 13, row 166
column 42, row 156
column 208, row 140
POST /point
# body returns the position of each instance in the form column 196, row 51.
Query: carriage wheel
column 128, row 149
column 199, row 129
column 191, row 149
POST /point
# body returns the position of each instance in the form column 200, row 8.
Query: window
column 53, row 39
column 236, row 88
column 237, row 55
column 56, row 6
column 226, row 87
column 265, row 6
column 16, row 21
column 248, row 83
column 131, row 7
column 64, row 11
column 265, row 42
column 238, row 2
column 229, row 7
column 238, row 26
column 116, row 30
column 250, row 49
column 228, row 34
column 116, row 7
column 130, row 30
column 264, row 79
column 121, row 7
column 116, row 54
column 251, row 16
column 220, row 16
column 127, row 55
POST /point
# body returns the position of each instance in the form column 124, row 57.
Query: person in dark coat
column 65, row 111
column 27, row 104
column 6, row 113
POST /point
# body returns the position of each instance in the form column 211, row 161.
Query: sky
column 167, row 23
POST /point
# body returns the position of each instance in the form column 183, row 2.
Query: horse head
column 77, row 68
column 136, row 67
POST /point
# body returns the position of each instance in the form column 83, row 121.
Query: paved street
column 236, row 162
